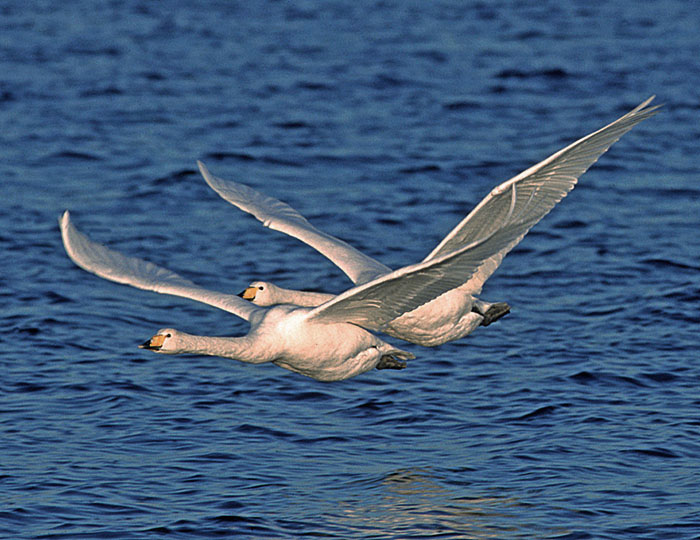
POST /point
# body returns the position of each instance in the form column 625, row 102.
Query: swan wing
column 374, row 304
column 533, row 193
column 281, row 217
column 112, row 265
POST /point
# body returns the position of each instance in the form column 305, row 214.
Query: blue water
column 576, row 416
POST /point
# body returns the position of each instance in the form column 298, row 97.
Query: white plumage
column 328, row 337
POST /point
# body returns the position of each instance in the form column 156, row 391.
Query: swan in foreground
column 328, row 342
column 506, row 215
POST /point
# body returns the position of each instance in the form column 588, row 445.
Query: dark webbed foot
column 389, row 362
column 495, row 312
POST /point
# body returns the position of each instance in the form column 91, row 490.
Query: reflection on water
column 413, row 502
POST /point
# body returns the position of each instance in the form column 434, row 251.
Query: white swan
column 525, row 198
column 328, row 342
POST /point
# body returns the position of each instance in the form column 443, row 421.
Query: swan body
column 498, row 223
column 284, row 338
column 452, row 315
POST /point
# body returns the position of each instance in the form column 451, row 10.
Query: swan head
column 165, row 341
column 261, row 293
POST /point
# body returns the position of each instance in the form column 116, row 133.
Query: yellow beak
column 155, row 343
column 249, row 293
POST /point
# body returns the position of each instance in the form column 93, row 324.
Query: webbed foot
column 389, row 362
column 495, row 312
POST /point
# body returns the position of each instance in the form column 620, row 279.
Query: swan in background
column 329, row 342
column 511, row 208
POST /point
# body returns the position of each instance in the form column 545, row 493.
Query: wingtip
column 657, row 105
column 644, row 105
column 208, row 177
column 67, row 231
column 64, row 219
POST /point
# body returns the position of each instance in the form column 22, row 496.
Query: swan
column 318, row 342
column 329, row 342
column 527, row 197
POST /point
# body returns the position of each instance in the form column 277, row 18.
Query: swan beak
column 153, row 344
column 248, row 294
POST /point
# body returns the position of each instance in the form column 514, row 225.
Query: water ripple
column 573, row 417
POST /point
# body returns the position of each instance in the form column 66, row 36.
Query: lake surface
column 576, row 416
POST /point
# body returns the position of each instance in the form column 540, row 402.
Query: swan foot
column 389, row 362
column 495, row 312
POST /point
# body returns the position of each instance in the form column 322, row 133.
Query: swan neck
column 238, row 348
column 303, row 298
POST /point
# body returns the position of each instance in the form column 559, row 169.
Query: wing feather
column 114, row 266
column 475, row 248
column 374, row 304
column 538, row 189
column 281, row 217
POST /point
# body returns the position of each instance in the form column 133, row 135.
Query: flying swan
column 506, row 214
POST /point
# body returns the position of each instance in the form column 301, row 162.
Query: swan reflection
column 413, row 502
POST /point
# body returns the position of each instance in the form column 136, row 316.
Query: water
column 574, row 417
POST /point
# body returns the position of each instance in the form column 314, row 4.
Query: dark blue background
column 574, row 417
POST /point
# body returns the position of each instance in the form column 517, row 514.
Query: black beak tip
column 240, row 294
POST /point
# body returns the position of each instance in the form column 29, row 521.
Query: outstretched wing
column 533, row 193
column 281, row 217
column 382, row 300
column 466, row 255
column 112, row 265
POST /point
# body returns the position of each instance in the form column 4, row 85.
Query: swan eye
column 168, row 335
column 261, row 288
